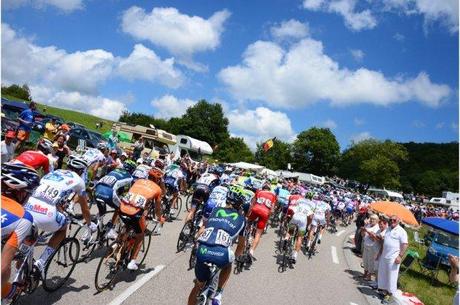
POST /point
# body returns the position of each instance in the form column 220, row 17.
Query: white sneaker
column 217, row 300
column 112, row 234
column 41, row 267
column 132, row 265
column 86, row 236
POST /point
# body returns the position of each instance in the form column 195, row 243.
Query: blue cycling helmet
column 16, row 176
column 235, row 199
column 217, row 170
column 129, row 166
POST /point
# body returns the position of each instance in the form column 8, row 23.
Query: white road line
column 131, row 289
column 335, row 258
column 351, row 303
column 340, row 233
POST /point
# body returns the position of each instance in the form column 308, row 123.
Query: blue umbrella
column 445, row 225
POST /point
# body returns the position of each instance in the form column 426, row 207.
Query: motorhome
column 392, row 195
column 193, row 147
column 153, row 138
column 448, row 199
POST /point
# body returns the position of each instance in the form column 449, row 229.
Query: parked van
column 193, row 147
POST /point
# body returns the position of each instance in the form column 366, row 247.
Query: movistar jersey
column 222, row 228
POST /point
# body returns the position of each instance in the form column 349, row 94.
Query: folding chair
column 430, row 268
column 407, row 262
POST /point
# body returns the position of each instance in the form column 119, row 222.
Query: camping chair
column 410, row 258
column 430, row 268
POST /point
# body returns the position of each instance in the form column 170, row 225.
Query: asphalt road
column 165, row 279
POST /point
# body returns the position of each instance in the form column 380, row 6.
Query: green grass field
column 416, row 282
column 87, row 120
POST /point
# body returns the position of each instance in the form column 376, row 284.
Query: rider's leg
column 137, row 245
column 256, row 240
column 310, row 235
column 8, row 253
column 194, row 293
column 53, row 243
column 174, row 200
column 191, row 213
column 240, row 247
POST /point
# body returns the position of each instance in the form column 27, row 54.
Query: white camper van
column 196, row 149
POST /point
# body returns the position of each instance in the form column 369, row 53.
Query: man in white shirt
column 394, row 246
column 369, row 249
column 8, row 146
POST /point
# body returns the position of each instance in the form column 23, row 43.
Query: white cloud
column 180, row 34
column 357, row 54
column 303, row 74
column 440, row 125
column 95, row 105
column 169, row 106
column 356, row 138
column 258, row 125
column 418, row 124
column 358, row 121
column 399, row 37
column 144, row 64
column 64, row 5
column 354, row 20
column 331, row 124
column 289, row 29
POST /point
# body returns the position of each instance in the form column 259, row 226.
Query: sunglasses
column 393, row 220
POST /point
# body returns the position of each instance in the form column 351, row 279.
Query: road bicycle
column 208, row 291
column 166, row 204
column 189, row 230
column 245, row 260
column 310, row 251
column 286, row 249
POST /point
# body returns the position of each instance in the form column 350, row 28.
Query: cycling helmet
column 19, row 177
column 102, row 146
column 217, row 170
column 159, row 164
column 296, row 190
column 156, row 173
column 266, row 187
column 76, row 163
column 45, row 146
column 129, row 166
column 235, row 199
column 310, row 195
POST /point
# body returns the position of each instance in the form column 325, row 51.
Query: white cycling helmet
column 77, row 163
column 18, row 176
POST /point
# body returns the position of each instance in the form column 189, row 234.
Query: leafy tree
column 373, row 162
column 142, row 119
column 233, row 150
column 204, row 121
column 276, row 158
column 18, row 91
column 317, row 151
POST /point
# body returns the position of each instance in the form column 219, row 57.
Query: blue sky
column 362, row 68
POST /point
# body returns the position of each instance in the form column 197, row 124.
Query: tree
column 18, row 91
column 317, row 151
column 142, row 119
column 373, row 162
column 276, row 157
column 233, row 150
column 204, row 121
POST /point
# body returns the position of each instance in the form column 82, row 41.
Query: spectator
column 50, row 129
column 453, row 275
column 122, row 159
column 64, row 131
column 26, row 120
column 60, row 150
column 112, row 140
column 369, row 246
column 360, row 222
column 138, row 148
column 8, row 146
column 394, row 246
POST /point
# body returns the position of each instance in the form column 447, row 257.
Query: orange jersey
column 140, row 193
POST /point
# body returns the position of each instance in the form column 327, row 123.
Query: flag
column 268, row 144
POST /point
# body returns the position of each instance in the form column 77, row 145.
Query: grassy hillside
column 87, row 120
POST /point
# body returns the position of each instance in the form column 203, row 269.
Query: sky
column 363, row 68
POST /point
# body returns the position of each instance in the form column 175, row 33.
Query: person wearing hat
column 63, row 130
column 50, row 129
column 8, row 146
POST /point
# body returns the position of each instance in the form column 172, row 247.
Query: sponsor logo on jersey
column 37, row 209
column 222, row 213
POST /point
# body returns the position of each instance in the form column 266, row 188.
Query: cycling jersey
column 209, row 180
column 299, row 213
column 283, row 196
column 293, row 199
column 141, row 172
column 92, row 156
column 173, row 176
column 16, row 222
column 262, row 208
column 222, row 228
column 133, row 204
column 108, row 188
column 53, row 188
column 35, row 159
column 217, row 198
column 319, row 208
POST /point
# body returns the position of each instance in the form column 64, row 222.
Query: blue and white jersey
column 283, row 196
column 217, row 198
column 108, row 186
column 222, row 228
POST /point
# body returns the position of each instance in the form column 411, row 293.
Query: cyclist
column 262, row 205
column 107, row 192
column 133, row 206
column 44, row 205
column 215, row 246
column 321, row 218
column 297, row 215
column 174, row 176
column 95, row 159
column 141, row 171
column 39, row 158
column 16, row 226
column 204, row 186
column 18, row 181
column 217, row 198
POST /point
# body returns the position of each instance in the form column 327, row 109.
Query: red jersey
column 293, row 200
column 34, row 159
column 265, row 198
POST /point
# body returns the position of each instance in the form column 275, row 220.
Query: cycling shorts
column 172, row 184
column 349, row 210
column 200, row 195
column 135, row 221
column 104, row 196
column 16, row 223
column 46, row 216
column 301, row 223
column 318, row 219
column 217, row 255
column 262, row 213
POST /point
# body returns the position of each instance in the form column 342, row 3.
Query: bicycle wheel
column 145, row 246
column 179, row 208
column 108, row 267
column 86, row 248
column 61, row 264
column 192, row 259
column 188, row 201
column 184, row 236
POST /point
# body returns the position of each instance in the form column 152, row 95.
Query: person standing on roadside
column 60, row 150
column 26, row 120
column 369, row 249
column 391, row 254
column 138, row 148
column 453, row 275
column 8, row 146
column 50, row 129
